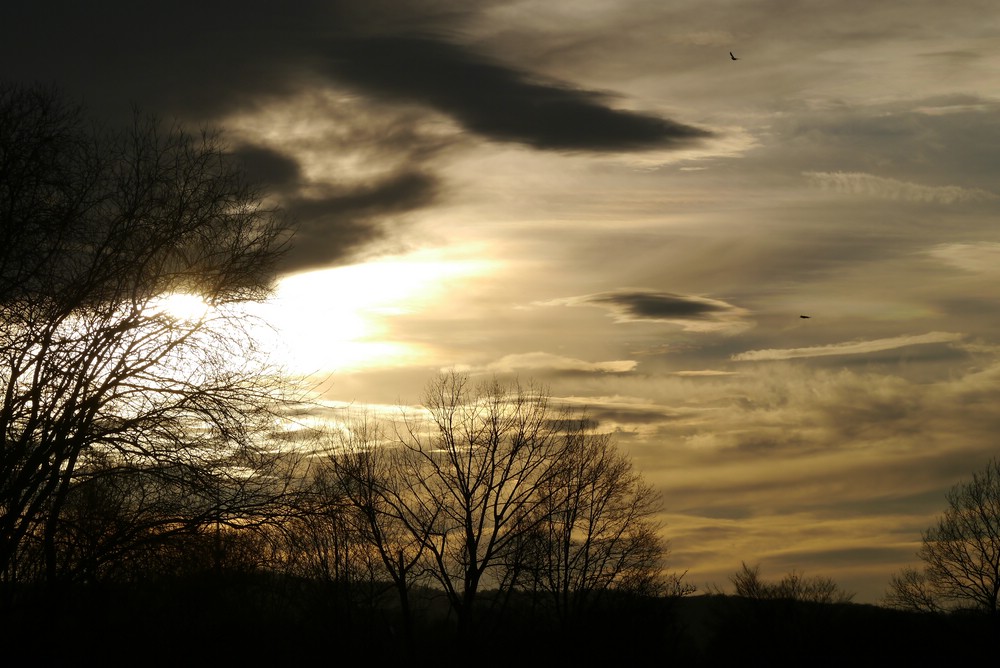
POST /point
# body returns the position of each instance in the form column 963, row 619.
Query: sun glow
column 182, row 306
column 347, row 318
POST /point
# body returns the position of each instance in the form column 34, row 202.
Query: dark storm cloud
column 192, row 60
column 265, row 165
column 206, row 60
column 630, row 305
column 338, row 223
column 497, row 101
column 203, row 62
column 691, row 313
column 337, row 228
column 639, row 305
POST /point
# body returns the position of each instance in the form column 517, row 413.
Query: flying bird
column 732, row 56
column 804, row 316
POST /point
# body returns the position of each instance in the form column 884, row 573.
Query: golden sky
column 594, row 195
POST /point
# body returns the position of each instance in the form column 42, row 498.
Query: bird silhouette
column 732, row 56
column 804, row 316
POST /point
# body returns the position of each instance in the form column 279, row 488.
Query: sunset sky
column 594, row 195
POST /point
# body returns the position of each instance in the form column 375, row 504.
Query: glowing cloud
column 182, row 306
column 324, row 322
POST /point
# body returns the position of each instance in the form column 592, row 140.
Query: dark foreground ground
column 243, row 621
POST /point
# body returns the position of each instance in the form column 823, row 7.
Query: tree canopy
column 99, row 228
column 960, row 553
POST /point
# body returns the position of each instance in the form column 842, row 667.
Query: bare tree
column 961, row 553
column 97, row 230
column 793, row 586
column 748, row 583
column 599, row 531
column 910, row 589
column 488, row 486
column 476, row 477
column 373, row 477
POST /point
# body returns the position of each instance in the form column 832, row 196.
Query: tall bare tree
column 599, row 530
column 478, row 471
column 97, row 230
column 373, row 477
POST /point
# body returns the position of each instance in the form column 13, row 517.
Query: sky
column 595, row 196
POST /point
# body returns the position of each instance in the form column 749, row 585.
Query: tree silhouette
column 97, row 229
column 793, row 586
column 371, row 476
column 489, row 487
column 961, row 553
column 598, row 530
column 477, row 475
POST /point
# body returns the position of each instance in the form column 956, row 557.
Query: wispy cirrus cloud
column 547, row 361
column 692, row 313
column 847, row 348
column 868, row 185
column 704, row 373
column 977, row 258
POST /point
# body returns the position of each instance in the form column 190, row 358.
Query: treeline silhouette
column 490, row 516
column 214, row 618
